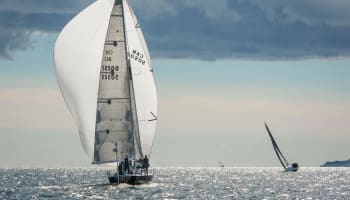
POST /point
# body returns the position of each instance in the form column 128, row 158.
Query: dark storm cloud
column 45, row 6
column 253, row 29
column 19, row 19
column 203, row 29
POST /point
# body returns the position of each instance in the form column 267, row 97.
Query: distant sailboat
column 287, row 167
column 104, row 72
column 221, row 164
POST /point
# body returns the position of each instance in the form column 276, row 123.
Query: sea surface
column 178, row 183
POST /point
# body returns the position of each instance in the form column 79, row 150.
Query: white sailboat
column 284, row 162
column 104, row 71
column 221, row 164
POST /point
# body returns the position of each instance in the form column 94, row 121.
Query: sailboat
column 284, row 162
column 105, row 75
column 221, row 164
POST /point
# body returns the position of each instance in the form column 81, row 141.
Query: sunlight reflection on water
column 178, row 183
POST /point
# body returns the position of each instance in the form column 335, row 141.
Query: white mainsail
column 93, row 59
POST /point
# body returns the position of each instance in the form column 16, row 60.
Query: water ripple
column 178, row 183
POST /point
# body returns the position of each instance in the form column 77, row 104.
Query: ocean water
column 178, row 183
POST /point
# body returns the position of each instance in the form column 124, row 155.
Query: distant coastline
column 343, row 163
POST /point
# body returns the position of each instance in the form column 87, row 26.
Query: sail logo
column 137, row 56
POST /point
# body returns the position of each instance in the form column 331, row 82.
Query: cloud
column 154, row 8
column 21, row 19
column 261, row 31
column 203, row 29
column 312, row 13
column 12, row 40
column 214, row 9
column 44, row 6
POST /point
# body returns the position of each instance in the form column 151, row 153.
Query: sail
column 284, row 162
column 142, row 80
column 78, row 53
column 104, row 72
column 117, row 135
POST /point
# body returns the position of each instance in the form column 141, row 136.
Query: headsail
column 278, row 152
column 143, row 81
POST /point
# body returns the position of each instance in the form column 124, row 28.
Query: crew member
column 145, row 164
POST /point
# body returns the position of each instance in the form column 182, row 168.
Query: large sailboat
column 104, row 71
column 284, row 162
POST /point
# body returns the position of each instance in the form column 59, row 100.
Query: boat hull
column 130, row 179
column 293, row 168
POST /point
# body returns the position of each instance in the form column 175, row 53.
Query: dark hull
column 131, row 179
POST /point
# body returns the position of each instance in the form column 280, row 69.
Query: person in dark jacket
column 145, row 164
column 126, row 165
column 121, row 168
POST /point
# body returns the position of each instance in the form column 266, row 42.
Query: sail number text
column 109, row 72
column 137, row 56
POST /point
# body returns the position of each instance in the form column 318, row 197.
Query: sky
column 222, row 68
